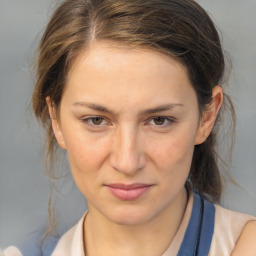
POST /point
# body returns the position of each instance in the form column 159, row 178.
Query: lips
column 128, row 192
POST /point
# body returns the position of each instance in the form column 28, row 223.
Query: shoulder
column 10, row 251
column 246, row 242
column 227, row 229
column 71, row 243
column 32, row 247
column 64, row 244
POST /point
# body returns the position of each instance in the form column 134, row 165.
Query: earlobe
column 209, row 116
column 55, row 124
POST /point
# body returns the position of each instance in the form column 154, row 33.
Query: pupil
column 159, row 120
column 97, row 120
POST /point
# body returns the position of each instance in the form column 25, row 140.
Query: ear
column 55, row 124
column 209, row 116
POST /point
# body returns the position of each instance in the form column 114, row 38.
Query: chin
column 130, row 217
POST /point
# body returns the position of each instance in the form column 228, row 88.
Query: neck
column 152, row 238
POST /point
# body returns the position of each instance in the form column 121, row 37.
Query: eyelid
column 87, row 118
column 170, row 120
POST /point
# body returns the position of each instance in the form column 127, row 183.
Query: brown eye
column 159, row 120
column 97, row 120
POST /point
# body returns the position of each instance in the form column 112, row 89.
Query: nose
column 127, row 154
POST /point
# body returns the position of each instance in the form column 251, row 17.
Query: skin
column 246, row 245
column 130, row 144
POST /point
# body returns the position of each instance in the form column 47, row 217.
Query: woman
column 132, row 91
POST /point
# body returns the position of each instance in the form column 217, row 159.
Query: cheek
column 177, row 149
column 86, row 157
column 173, row 159
column 86, row 153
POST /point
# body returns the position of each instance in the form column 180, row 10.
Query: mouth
column 128, row 192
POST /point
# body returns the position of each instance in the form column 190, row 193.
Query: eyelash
column 169, row 120
column 87, row 120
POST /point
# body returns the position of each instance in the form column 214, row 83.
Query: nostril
column 129, row 164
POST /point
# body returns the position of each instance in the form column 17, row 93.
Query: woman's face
column 129, row 121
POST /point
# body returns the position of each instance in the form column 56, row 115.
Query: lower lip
column 129, row 194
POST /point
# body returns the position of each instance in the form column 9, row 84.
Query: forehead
column 110, row 52
column 110, row 70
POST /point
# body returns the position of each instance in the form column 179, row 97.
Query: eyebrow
column 100, row 108
column 161, row 108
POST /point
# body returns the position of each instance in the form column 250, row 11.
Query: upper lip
column 128, row 186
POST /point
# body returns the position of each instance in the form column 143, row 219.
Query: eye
column 161, row 121
column 95, row 121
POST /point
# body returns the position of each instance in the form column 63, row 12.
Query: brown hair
column 178, row 28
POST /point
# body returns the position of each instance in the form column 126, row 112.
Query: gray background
column 24, row 188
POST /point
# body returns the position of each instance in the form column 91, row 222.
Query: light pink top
column 227, row 228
